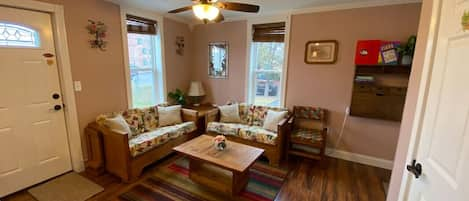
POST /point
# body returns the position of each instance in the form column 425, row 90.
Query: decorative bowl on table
column 219, row 142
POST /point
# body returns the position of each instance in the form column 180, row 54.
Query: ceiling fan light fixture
column 205, row 11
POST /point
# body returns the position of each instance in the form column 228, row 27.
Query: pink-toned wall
column 178, row 68
column 411, row 101
column 102, row 73
column 328, row 86
column 221, row 90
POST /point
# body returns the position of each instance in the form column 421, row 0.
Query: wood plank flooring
column 330, row 180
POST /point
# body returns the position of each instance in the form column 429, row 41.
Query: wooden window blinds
column 140, row 25
column 271, row 32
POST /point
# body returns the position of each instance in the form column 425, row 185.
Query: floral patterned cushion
column 258, row 114
column 134, row 117
column 308, row 134
column 258, row 134
column 225, row 128
column 244, row 111
column 150, row 118
column 305, row 112
column 149, row 140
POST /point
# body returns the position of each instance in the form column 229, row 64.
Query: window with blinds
column 267, row 63
column 141, row 25
column 143, row 48
column 272, row 32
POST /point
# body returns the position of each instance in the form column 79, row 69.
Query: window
column 144, row 56
column 12, row 35
column 266, row 64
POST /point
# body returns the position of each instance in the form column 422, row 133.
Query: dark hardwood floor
column 330, row 180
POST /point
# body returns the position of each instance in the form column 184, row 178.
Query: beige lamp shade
column 196, row 89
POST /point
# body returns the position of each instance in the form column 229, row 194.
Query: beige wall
column 411, row 101
column 102, row 73
column 328, row 86
column 221, row 90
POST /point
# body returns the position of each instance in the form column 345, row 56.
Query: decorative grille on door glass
column 12, row 35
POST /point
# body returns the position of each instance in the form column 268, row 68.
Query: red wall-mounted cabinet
column 367, row 52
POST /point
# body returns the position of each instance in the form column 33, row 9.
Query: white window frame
column 250, row 75
column 159, row 51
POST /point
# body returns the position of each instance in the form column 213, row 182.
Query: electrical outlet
column 347, row 110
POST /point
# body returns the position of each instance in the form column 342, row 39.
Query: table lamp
column 196, row 91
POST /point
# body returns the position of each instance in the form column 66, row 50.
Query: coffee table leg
column 193, row 166
column 240, row 180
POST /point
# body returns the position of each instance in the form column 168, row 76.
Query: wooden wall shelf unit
column 379, row 91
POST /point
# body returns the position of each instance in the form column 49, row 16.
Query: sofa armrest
column 212, row 116
column 117, row 152
column 189, row 115
column 283, row 128
column 324, row 133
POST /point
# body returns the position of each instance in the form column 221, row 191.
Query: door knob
column 415, row 168
column 57, row 107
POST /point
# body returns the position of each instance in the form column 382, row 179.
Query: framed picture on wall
column 218, row 60
column 321, row 52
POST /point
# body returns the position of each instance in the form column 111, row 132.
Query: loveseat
column 127, row 153
column 250, row 130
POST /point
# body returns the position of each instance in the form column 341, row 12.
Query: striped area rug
column 171, row 182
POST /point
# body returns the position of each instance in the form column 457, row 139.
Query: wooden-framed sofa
column 250, row 131
column 126, row 156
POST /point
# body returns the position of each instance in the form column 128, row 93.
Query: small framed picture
column 218, row 60
column 321, row 52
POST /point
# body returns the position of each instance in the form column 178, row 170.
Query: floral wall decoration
column 465, row 21
column 180, row 45
column 97, row 30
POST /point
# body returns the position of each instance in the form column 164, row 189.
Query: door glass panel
column 12, row 35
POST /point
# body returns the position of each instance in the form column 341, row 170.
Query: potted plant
column 406, row 51
column 465, row 21
column 178, row 96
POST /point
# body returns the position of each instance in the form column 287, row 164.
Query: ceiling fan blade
column 181, row 9
column 238, row 7
column 219, row 18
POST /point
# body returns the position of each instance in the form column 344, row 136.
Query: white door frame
column 422, row 95
column 65, row 73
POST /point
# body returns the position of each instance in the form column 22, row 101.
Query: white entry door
column 443, row 150
column 33, row 136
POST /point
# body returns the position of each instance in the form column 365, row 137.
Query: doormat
column 68, row 187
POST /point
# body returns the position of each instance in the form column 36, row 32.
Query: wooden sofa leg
column 135, row 174
column 274, row 160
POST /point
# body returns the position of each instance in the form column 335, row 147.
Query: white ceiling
column 268, row 7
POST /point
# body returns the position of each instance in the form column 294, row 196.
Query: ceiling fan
column 209, row 10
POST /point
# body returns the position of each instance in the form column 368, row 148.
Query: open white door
column 443, row 146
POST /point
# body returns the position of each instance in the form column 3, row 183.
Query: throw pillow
column 273, row 118
column 170, row 115
column 229, row 113
column 119, row 124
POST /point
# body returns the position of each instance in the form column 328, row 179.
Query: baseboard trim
column 359, row 158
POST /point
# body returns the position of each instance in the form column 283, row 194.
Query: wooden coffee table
column 226, row 171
